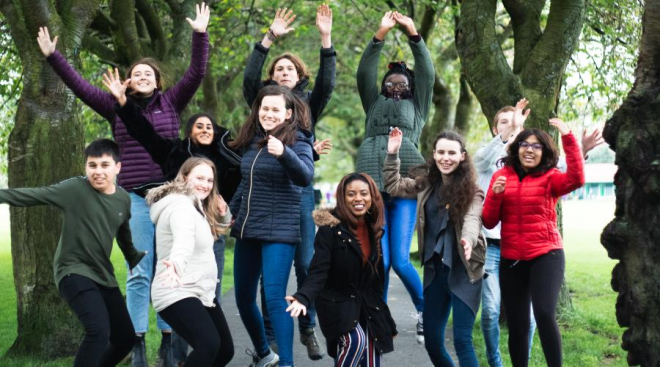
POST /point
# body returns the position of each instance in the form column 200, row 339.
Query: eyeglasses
column 401, row 85
column 535, row 146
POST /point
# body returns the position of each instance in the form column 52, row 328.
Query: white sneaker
column 420, row 328
column 269, row 360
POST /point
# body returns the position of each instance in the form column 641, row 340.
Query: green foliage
column 10, row 89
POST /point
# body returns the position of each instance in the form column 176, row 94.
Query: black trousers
column 539, row 281
column 109, row 333
column 204, row 328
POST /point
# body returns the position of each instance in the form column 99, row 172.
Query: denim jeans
column 301, row 261
column 273, row 260
column 491, row 300
column 138, row 282
column 109, row 334
column 179, row 345
column 438, row 302
column 400, row 216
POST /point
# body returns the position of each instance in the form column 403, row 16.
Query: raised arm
column 367, row 73
column 325, row 79
column 564, row 183
column 98, row 100
column 396, row 185
column 183, row 91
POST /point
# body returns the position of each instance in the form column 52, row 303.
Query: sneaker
column 420, row 328
column 311, row 342
column 139, row 358
column 165, row 355
column 274, row 348
column 270, row 360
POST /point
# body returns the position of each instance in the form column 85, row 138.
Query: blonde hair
column 210, row 204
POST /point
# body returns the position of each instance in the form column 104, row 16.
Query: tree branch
column 152, row 21
column 103, row 24
column 127, row 43
column 482, row 59
column 428, row 22
column 526, row 22
column 95, row 46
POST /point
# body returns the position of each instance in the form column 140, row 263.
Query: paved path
column 407, row 353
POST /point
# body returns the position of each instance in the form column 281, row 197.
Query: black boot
column 165, row 356
column 139, row 358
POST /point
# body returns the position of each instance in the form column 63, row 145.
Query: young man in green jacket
column 96, row 211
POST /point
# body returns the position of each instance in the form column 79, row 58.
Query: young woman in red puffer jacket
column 523, row 195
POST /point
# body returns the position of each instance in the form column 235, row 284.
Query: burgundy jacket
column 526, row 208
column 162, row 112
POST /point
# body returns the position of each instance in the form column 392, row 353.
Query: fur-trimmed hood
column 325, row 217
column 160, row 197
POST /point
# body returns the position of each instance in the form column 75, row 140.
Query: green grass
column 591, row 336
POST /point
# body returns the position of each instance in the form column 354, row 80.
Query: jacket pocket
column 338, row 313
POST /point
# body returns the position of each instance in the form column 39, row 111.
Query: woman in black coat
column 346, row 276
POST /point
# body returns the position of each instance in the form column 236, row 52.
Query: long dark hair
column 399, row 67
column 191, row 123
column 375, row 218
column 287, row 131
column 461, row 187
column 154, row 65
column 549, row 158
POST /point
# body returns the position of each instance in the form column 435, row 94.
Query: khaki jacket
column 469, row 229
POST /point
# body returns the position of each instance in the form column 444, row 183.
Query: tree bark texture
column 44, row 148
column 633, row 237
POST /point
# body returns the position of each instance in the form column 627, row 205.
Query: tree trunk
column 44, row 147
column 633, row 237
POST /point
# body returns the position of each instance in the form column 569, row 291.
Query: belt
column 493, row 242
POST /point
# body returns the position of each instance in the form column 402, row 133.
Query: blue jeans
column 400, row 217
column 248, row 267
column 138, row 283
column 438, row 302
column 491, row 300
column 301, row 261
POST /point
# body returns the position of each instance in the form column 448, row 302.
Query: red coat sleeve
column 564, row 183
column 492, row 205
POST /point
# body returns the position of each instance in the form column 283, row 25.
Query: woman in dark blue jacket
column 277, row 163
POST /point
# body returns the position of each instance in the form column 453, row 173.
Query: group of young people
column 177, row 198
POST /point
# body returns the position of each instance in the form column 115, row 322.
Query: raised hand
column 560, row 126
column 590, row 141
column 283, row 19
column 295, row 307
column 499, row 185
column 324, row 20
column 386, row 24
column 116, row 87
column 170, row 276
column 275, row 146
column 467, row 248
column 222, row 206
column 394, row 141
column 520, row 115
column 323, row 146
column 45, row 44
column 406, row 23
column 202, row 20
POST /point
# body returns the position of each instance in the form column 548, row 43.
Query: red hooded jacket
column 526, row 208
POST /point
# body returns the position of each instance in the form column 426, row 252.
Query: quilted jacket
column 163, row 111
column 266, row 205
column 526, row 208
column 409, row 115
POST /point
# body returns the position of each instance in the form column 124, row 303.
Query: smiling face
column 285, row 73
column 202, row 131
column 531, row 154
column 143, row 80
column 200, row 179
column 504, row 121
column 358, row 198
column 396, row 85
column 273, row 112
column 101, row 172
column 448, row 155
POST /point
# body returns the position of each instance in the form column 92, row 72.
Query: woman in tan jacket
column 451, row 247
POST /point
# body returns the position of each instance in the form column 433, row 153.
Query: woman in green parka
column 403, row 100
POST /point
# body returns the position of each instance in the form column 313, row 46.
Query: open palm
column 202, row 20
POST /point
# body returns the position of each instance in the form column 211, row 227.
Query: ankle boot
column 165, row 356
column 139, row 358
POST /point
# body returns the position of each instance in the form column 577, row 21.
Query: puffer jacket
column 383, row 113
column 526, row 208
column 162, row 112
column 266, row 205
column 469, row 228
column 346, row 291
column 170, row 154
column 183, row 236
column 316, row 99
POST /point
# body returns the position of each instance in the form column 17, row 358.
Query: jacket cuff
column 328, row 52
column 392, row 157
column 376, row 40
column 302, row 299
column 259, row 47
column 415, row 38
column 135, row 260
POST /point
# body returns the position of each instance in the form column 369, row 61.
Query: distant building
column 599, row 182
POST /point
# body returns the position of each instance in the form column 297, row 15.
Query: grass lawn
column 591, row 336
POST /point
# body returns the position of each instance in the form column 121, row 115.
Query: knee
column 98, row 332
column 543, row 316
column 209, row 346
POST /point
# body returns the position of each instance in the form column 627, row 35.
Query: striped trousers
column 357, row 349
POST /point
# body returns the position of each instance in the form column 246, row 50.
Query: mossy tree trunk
column 633, row 237
column 44, row 147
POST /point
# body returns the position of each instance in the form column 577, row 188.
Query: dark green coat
column 409, row 115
